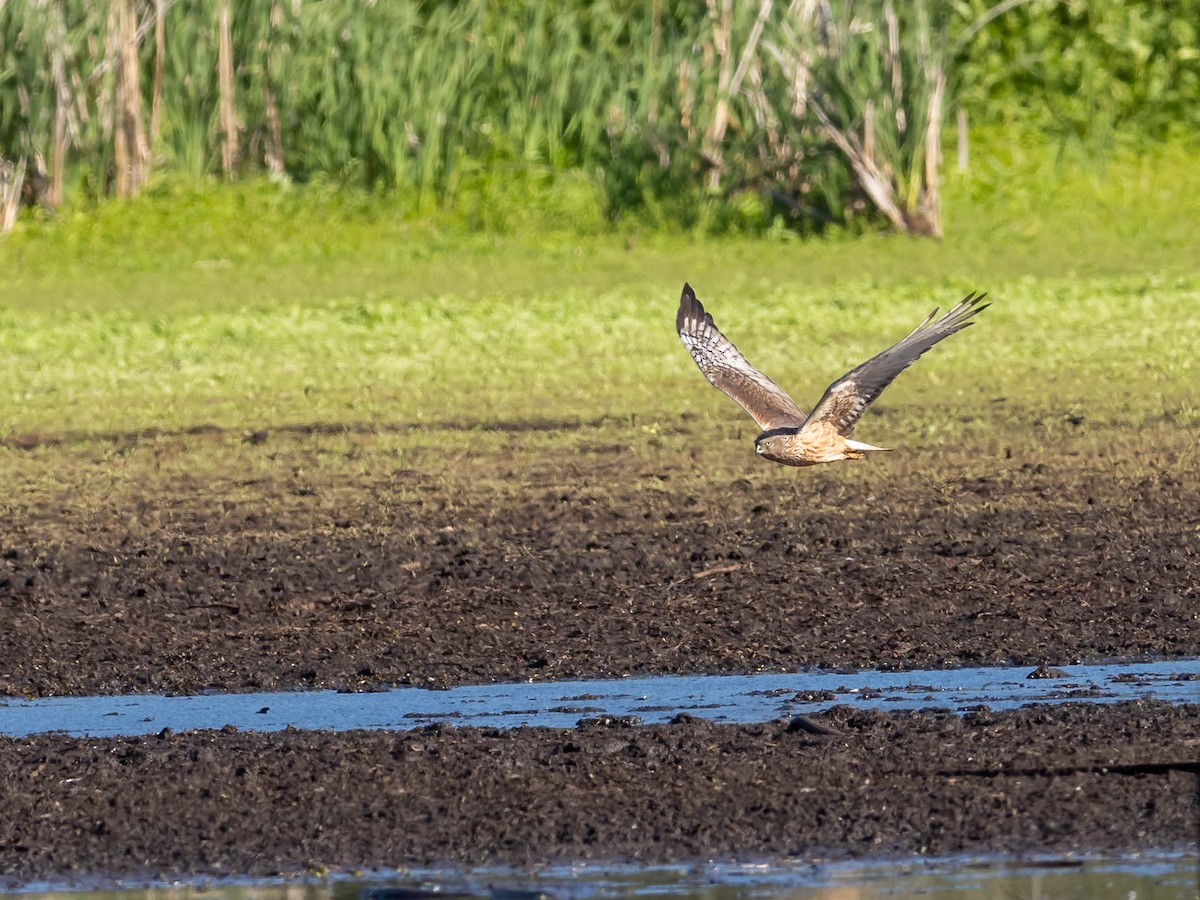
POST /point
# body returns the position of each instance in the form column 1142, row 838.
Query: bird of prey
column 788, row 435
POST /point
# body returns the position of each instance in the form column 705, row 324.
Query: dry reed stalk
column 228, row 114
column 655, row 42
column 798, row 67
column 59, row 48
column 160, row 55
column 273, row 153
column 892, row 60
column 930, row 206
column 120, row 137
column 751, row 65
column 729, row 83
column 58, row 156
column 750, row 51
column 873, row 182
column 131, row 151
column 722, row 37
column 686, row 107
column 893, row 145
column 12, row 180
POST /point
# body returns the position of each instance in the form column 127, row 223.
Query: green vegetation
column 261, row 307
column 737, row 116
column 1022, row 210
column 1095, row 73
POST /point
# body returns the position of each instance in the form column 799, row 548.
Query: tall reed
column 823, row 110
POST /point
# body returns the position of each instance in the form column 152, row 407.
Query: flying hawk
column 788, row 435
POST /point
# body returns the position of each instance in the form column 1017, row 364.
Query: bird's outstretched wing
column 724, row 366
column 848, row 398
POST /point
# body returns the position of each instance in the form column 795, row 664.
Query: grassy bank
column 255, row 307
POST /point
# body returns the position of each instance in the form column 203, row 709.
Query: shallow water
column 561, row 704
column 1144, row 878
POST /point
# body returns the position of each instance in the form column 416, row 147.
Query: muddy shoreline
column 1037, row 781
column 585, row 560
column 349, row 582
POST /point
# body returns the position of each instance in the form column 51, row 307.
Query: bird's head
column 771, row 446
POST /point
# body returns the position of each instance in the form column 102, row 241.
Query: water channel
column 722, row 698
column 1161, row 877
column 561, row 704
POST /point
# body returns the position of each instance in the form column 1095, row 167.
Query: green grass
column 256, row 307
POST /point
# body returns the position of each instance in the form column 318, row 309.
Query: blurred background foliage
column 720, row 114
column 1085, row 71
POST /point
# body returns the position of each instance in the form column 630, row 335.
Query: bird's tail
column 866, row 448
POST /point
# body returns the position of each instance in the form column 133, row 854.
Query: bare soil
column 589, row 563
column 1073, row 778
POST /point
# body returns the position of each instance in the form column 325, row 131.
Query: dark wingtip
column 688, row 304
column 977, row 304
column 969, row 307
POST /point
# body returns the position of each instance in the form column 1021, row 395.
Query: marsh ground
column 1070, row 779
column 597, row 560
column 586, row 559
column 354, row 453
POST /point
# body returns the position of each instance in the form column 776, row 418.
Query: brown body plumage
column 788, row 435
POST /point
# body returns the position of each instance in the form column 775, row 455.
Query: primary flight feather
column 788, row 435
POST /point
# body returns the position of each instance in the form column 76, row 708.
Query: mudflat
column 1049, row 780
column 133, row 571
column 580, row 556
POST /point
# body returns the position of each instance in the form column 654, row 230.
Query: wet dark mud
column 1036, row 781
column 581, row 560
column 182, row 562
